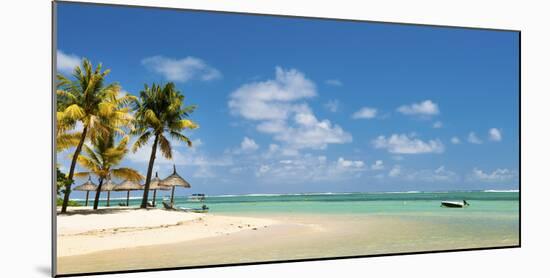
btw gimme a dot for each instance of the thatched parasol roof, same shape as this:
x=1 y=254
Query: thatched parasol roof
x=127 y=185
x=175 y=180
x=87 y=186
x=155 y=184
x=108 y=185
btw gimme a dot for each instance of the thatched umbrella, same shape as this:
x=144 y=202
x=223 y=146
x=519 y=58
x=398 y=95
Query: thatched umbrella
x=108 y=186
x=173 y=181
x=155 y=185
x=128 y=186
x=87 y=186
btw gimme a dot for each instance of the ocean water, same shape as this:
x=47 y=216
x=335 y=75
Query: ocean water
x=482 y=203
x=320 y=225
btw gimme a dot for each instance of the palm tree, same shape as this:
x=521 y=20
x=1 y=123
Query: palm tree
x=100 y=159
x=97 y=106
x=160 y=111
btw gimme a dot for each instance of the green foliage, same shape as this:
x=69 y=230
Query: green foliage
x=71 y=202
x=160 y=110
x=62 y=182
x=102 y=155
x=87 y=99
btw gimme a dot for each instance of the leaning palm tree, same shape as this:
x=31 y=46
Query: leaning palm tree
x=160 y=111
x=97 y=106
x=101 y=157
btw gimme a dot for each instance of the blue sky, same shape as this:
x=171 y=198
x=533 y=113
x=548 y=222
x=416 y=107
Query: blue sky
x=296 y=105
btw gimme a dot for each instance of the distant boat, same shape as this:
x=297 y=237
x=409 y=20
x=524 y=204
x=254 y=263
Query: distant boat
x=196 y=198
x=454 y=204
x=169 y=206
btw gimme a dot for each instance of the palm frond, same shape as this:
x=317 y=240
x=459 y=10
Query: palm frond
x=165 y=147
x=141 y=141
x=127 y=173
x=65 y=141
x=88 y=163
x=82 y=174
x=181 y=137
x=75 y=112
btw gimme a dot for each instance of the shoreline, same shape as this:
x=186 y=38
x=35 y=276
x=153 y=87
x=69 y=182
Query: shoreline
x=218 y=239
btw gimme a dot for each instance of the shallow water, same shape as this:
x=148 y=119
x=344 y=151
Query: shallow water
x=329 y=225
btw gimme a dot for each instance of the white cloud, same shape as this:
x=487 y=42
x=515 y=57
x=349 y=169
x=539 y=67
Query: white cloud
x=441 y=174
x=424 y=108
x=262 y=170
x=350 y=163
x=248 y=145
x=365 y=113
x=437 y=124
x=403 y=144
x=183 y=156
x=438 y=175
x=332 y=105
x=472 y=138
x=67 y=62
x=395 y=171
x=455 y=140
x=309 y=168
x=181 y=70
x=378 y=165
x=333 y=82
x=272 y=99
x=197 y=143
x=204 y=172
x=275 y=105
x=495 y=135
x=498 y=175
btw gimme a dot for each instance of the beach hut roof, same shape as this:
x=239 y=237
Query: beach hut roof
x=108 y=185
x=127 y=185
x=155 y=184
x=87 y=186
x=175 y=180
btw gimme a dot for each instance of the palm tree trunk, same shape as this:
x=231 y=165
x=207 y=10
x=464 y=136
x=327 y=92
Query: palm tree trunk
x=172 y=197
x=71 y=171
x=97 y=193
x=108 y=197
x=149 y=172
x=87 y=195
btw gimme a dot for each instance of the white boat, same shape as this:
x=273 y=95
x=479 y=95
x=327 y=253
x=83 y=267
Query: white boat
x=196 y=198
x=454 y=204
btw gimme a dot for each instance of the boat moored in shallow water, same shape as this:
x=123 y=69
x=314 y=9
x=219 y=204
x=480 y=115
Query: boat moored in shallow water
x=454 y=204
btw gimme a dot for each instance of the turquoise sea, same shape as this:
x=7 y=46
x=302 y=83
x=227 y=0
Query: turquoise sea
x=316 y=225
x=496 y=203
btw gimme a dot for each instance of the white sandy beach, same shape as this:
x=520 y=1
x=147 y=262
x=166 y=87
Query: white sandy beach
x=82 y=232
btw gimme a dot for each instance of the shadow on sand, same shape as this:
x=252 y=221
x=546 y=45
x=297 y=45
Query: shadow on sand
x=104 y=210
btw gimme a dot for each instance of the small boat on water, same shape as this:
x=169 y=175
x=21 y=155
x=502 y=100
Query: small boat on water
x=203 y=209
x=196 y=197
x=169 y=206
x=454 y=204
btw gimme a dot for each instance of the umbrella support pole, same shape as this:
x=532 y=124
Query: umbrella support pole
x=172 y=196
x=108 y=197
x=154 y=197
x=128 y=198
x=87 y=194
